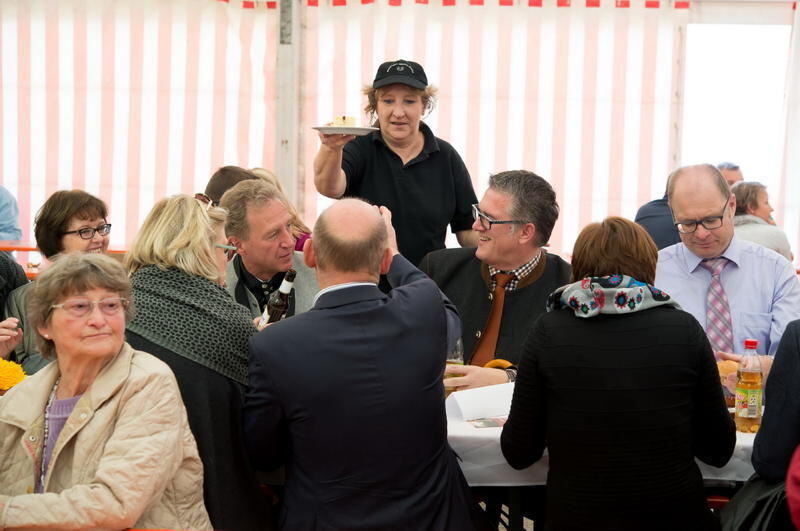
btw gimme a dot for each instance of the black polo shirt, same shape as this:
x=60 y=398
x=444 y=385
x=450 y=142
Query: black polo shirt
x=431 y=191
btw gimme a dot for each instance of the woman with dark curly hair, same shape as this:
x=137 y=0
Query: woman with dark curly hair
x=621 y=387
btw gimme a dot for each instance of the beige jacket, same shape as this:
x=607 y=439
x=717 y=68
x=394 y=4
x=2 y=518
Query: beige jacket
x=125 y=458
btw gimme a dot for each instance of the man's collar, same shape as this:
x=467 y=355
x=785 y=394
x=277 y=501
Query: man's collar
x=254 y=283
x=732 y=253
x=337 y=287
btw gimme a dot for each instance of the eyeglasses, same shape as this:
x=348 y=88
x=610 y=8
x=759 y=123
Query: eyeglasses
x=82 y=307
x=203 y=198
x=230 y=250
x=487 y=222
x=709 y=223
x=87 y=233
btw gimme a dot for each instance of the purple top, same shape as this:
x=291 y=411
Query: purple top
x=301 y=240
x=57 y=416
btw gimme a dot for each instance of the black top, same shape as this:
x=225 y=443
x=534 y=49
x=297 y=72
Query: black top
x=624 y=404
x=11 y=277
x=214 y=408
x=425 y=195
x=656 y=218
x=779 y=433
x=464 y=279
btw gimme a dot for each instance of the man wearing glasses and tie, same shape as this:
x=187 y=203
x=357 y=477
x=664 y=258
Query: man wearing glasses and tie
x=500 y=287
x=735 y=289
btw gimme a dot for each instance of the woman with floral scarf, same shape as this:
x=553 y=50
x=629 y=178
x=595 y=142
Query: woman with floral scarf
x=621 y=387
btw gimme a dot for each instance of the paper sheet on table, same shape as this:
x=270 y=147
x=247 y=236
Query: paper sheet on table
x=483 y=402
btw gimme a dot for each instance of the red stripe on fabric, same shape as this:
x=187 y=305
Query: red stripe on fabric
x=563 y=3
x=682 y=5
x=24 y=117
x=367 y=1
x=647 y=113
x=475 y=123
x=248 y=4
x=534 y=3
x=191 y=79
x=617 y=132
x=133 y=189
x=313 y=3
x=559 y=132
x=586 y=167
x=80 y=77
x=107 y=114
x=506 y=2
x=163 y=71
x=422 y=2
x=448 y=2
x=218 y=113
x=622 y=3
x=592 y=3
x=502 y=85
x=245 y=93
x=652 y=4
x=272 y=5
x=476 y=2
x=530 y=128
x=270 y=96
x=311 y=140
x=51 y=94
x=339 y=2
x=444 y=111
x=395 y=2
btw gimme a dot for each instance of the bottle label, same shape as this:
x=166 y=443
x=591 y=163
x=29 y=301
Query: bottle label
x=748 y=403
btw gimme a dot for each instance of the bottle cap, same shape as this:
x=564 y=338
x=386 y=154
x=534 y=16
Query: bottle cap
x=750 y=344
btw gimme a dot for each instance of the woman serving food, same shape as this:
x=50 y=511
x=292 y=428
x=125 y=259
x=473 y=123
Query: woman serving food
x=402 y=165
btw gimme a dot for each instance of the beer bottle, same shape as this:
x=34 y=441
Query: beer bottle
x=749 y=389
x=278 y=302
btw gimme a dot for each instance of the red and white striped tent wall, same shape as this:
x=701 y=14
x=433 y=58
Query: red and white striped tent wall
x=134 y=100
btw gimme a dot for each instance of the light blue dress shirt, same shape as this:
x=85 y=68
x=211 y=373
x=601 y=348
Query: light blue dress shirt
x=762 y=288
x=9 y=216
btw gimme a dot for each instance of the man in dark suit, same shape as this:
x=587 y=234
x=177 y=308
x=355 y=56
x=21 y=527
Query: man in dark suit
x=513 y=220
x=349 y=395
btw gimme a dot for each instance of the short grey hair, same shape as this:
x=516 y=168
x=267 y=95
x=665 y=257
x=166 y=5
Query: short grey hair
x=746 y=193
x=532 y=200
x=709 y=169
x=244 y=195
x=70 y=274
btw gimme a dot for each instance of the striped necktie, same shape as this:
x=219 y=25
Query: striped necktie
x=718 y=312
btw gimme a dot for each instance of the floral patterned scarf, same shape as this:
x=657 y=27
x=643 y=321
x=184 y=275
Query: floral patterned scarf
x=614 y=294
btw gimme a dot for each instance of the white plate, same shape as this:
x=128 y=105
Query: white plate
x=344 y=130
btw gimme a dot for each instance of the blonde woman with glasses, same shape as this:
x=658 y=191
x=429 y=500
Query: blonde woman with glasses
x=186 y=318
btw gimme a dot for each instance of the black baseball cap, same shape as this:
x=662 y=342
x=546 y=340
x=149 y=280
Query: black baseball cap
x=401 y=71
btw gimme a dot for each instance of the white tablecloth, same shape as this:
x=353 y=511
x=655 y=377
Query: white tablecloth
x=483 y=463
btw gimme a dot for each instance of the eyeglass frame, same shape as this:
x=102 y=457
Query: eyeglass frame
x=697 y=222
x=92 y=304
x=478 y=214
x=80 y=232
x=205 y=199
x=230 y=250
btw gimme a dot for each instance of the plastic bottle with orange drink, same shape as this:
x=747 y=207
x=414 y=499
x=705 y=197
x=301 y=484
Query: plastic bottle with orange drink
x=749 y=389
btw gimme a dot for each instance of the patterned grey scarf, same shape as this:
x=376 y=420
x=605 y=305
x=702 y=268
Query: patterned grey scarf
x=194 y=318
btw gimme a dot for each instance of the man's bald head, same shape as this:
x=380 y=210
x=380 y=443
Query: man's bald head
x=350 y=237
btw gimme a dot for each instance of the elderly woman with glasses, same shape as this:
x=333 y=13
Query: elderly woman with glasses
x=98 y=439
x=69 y=221
x=186 y=318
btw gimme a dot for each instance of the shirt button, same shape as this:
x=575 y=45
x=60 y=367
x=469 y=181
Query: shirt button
x=264 y=286
x=83 y=416
x=478 y=334
x=491 y=296
x=32 y=438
